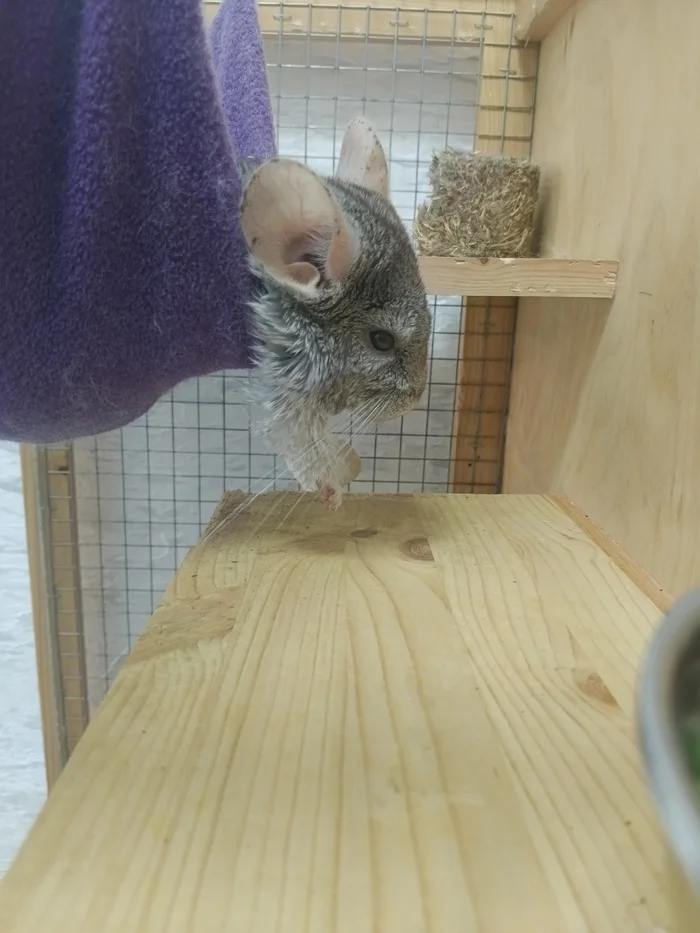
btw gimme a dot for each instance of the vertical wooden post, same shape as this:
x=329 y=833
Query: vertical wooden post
x=54 y=566
x=505 y=110
x=45 y=640
x=65 y=556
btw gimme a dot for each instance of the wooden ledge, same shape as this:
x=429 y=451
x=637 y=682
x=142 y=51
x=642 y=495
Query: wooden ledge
x=535 y=19
x=520 y=278
x=358 y=20
x=415 y=713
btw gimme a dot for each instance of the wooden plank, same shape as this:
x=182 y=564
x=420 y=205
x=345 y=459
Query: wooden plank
x=54 y=564
x=509 y=278
x=535 y=19
x=459 y=21
x=62 y=531
x=482 y=395
x=508 y=84
x=605 y=404
x=46 y=645
x=364 y=720
x=506 y=87
x=637 y=574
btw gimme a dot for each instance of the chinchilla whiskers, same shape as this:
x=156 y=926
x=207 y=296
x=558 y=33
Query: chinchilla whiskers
x=294 y=462
x=317 y=434
x=296 y=502
x=277 y=502
x=322 y=453
x=274 y=506
x=283 y=498
x=367 y=414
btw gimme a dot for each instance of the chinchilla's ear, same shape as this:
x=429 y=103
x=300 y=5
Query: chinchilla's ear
x=362 y=160
x=295 y=228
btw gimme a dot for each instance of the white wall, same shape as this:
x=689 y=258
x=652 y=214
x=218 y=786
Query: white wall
x=22 y=773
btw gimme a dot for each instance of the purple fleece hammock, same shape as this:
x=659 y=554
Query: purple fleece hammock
x=122 y=261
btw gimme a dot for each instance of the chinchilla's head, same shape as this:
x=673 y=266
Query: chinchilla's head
x=342 y=323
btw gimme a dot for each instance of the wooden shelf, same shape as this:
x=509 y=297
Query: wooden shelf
x=516 y=278
x=412 y=714
x=358 y=20
x=535 y=19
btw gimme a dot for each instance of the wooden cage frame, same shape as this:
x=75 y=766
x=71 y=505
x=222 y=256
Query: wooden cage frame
x=488 y=287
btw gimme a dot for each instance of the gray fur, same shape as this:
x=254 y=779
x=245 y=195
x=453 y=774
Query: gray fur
x=314 y=358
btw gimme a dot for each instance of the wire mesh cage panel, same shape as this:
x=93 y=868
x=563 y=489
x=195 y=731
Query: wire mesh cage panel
x=118 y=512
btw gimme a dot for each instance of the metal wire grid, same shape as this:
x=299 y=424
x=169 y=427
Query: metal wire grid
x=143 y=494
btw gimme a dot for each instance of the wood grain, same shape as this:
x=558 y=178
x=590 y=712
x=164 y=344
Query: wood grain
x=45 y=643
x=505 y=108
x=637 y=574
x=535 y=19
x=517 y=278
x=66 y=592
x=410 y=716
x=411 y=21
x=52 y=546
x=481 y=397
x=605 y=403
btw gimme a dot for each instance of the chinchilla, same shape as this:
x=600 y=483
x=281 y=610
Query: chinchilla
x=341 y=322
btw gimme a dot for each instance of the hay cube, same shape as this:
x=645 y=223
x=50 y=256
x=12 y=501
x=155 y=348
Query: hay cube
x=482 y=205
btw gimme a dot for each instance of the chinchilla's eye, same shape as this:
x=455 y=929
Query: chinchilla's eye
x=382 y=340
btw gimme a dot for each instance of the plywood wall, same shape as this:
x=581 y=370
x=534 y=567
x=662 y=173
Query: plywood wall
x=606 y=398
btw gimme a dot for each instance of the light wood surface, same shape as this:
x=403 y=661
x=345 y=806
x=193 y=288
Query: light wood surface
x=516 y=278
x=535 y=19
x=408 y=21
x=505 y=108
x=637 y=574
x=605 y=404
x=507 y=86
x=52 y=549
x=45 y=643
x=481 y=397
x=66 y=592
x=413 y=715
